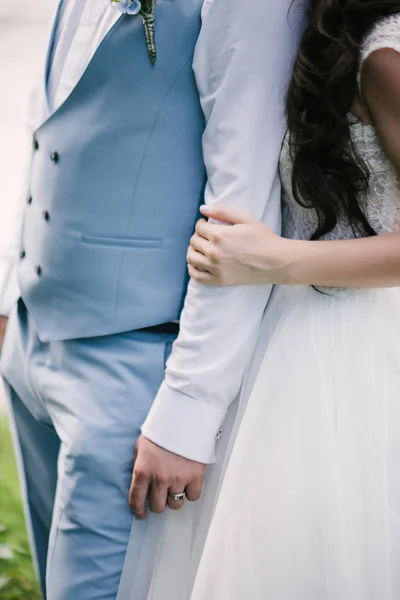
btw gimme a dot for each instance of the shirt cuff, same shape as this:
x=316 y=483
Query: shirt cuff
x=183 y=425
x=9 y=288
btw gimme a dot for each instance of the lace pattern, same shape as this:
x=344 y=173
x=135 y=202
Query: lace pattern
x=382 y=205
x=384 y=34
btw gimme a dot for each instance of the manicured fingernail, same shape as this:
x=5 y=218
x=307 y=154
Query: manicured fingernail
x=205 y=209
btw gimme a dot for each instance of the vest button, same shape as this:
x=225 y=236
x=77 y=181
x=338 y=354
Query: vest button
x=38 y=270
x=22 y=254
x=46 y=215
x=35 y=144
x=29 y=200
x=54 y=156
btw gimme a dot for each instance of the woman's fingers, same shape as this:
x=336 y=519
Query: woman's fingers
x=201 y=276
x=200 y=244
x=208 y=231
x=198 y=260
x=227 y=214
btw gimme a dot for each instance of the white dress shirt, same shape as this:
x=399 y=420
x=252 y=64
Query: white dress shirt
x=242 y=64
x=81 y=28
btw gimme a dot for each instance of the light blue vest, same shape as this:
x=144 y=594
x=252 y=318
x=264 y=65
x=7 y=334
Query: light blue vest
x=116 y=180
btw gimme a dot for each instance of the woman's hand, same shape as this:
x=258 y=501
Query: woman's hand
x=248 y=253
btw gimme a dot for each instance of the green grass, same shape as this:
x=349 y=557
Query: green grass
x=18 y=571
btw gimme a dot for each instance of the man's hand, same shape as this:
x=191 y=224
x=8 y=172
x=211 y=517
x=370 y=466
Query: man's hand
x=158 y=472
x=3 y=325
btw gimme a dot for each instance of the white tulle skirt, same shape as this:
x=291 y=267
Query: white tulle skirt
x=309 y=507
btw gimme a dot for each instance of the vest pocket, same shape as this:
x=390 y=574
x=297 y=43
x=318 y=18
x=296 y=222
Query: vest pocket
x=122 y=242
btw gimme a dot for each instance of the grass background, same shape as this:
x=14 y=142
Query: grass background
x=17 y=577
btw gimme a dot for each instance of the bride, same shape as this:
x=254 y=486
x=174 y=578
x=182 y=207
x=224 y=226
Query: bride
x=321 y=431
x=309 y=508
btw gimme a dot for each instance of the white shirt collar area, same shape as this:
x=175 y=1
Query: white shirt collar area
x=81 y=28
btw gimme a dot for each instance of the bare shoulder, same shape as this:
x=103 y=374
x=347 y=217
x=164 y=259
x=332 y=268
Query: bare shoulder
x=381 y=92
x=381 y=80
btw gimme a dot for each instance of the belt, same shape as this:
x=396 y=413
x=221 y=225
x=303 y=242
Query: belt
x=165 y=328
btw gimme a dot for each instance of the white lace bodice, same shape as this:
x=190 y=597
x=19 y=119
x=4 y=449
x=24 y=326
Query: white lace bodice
x=382 y=205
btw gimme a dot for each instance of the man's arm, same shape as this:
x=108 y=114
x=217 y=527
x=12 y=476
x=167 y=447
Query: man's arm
x=3 y=325
x=13 y=197
x=9 y=290
x=22 y=108
x=242 y=65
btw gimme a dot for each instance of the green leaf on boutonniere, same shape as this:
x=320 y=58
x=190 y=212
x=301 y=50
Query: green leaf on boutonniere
x=149 y=18
x=146 y=9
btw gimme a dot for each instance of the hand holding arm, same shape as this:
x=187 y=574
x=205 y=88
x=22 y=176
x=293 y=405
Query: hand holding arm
x=249 y=253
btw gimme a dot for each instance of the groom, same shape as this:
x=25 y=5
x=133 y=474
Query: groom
x=116 y=179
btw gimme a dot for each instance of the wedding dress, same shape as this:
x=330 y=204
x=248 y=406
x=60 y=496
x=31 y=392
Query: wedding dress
x=309 y=507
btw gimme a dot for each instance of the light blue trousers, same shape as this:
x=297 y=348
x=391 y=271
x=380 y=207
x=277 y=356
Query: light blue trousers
x=77 y=408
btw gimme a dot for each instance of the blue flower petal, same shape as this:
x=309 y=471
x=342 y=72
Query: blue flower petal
x=134 y=8
x=129 y=7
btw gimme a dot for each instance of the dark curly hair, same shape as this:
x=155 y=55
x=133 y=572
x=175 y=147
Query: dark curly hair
x=328 y=174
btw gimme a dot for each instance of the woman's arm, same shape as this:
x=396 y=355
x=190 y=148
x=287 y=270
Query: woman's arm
x=249 y=253
x=362 y=263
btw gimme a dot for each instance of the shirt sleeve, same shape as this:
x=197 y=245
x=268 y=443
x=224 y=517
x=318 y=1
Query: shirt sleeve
x=13 y=194
x=9 y=289
x=242 y=64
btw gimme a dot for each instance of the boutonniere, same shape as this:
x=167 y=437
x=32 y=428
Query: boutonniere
x=146 y=9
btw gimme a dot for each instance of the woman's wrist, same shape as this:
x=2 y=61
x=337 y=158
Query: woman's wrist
x=284 y=264
x=298 y=261
x=366 y=262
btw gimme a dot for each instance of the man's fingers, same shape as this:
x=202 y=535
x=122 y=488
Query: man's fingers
x=176 y=488
x=138 y=496
x=194 y=489
x=175 y=504
x=158 y=471
x=158 y=497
